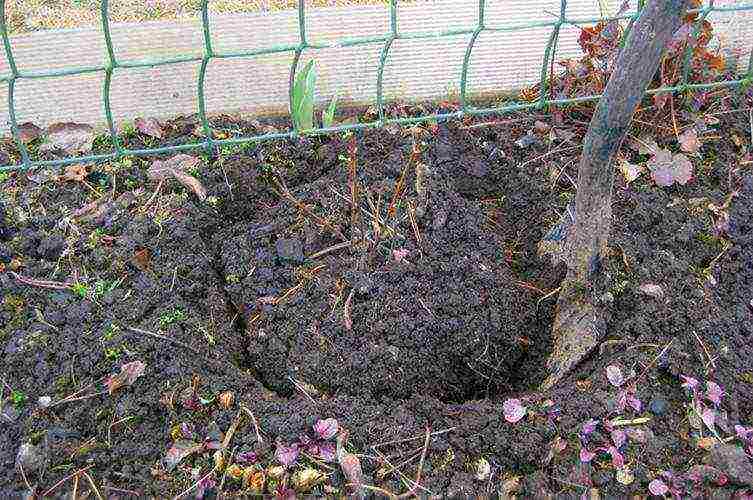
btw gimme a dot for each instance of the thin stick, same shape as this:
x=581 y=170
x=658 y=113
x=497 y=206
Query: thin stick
x=333 y=248
x=163 y=337
x=75 y=488
x=80 y=398
x=300 y=388
x=54 y=285
x=23 y=476
x=398 y=441
x=94 y=486
x=711 y=361
x=555 y=150
x=122 y=490
x=156 y=192
x=420 y=465
x=256 y=425
x=66 y=478
x=653 y=361
x=550 y=294
x=346 y=311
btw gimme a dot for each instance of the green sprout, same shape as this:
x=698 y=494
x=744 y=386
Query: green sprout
x=80 y=289
x=302 y=104
x=18 y=398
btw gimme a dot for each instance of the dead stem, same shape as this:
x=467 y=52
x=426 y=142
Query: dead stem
x=66 y=478
x=163 y=337
x=398 y=441
x=549 y=153
x=346 y=311
x=256 y=424
x=300 y=388
x=708 y=355
x=328 y=250
x=93 y=486
x=54 y=285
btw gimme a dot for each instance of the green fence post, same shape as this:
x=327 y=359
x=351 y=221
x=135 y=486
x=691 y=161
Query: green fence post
x=383 y=60
x=549 y=53
x=112 y=63
x=11 y=88
x=302 y=45
x=467 y=58
x=208 y=55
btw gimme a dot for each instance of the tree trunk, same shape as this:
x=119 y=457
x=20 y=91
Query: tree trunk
x=579 y=323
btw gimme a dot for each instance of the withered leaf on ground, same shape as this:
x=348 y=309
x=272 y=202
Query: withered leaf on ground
x=70 y=138
x=149 y=126
x=28 y=132
x=689 y=141
x=180 y=449
x=177 y=167
x=75 y=173
x=128 y=374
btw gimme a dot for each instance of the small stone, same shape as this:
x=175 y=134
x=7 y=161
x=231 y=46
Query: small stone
x=290 y=250
x=657 y=406
x=733 y=461
x=45 y=401
x=9 y=413
x=30 y=457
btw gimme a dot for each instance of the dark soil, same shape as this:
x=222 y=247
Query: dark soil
x=433 y=319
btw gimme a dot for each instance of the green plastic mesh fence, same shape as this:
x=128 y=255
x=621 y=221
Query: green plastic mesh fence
x=113 y=61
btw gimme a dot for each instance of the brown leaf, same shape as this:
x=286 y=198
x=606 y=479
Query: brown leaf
x=149 y=126
x=177 y=167
x=689 y=141
x=142 y=258
x=541 y=127
x=706 y=443
x=191 y=183
x=129 y=372
x=29 y=132
x=75 y=173
x=71 y=138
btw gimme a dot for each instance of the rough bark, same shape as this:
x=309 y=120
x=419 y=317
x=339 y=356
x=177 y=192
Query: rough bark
x=579 y=323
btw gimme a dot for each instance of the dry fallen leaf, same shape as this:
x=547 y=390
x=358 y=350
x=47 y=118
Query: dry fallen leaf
x=630 y=171
x=128 y=374
x=706 y=443
x=142 y=258
x=149 y=126
x=29 y=132
x=71 y=138
x=177 y=167
x=689 y=141
x=655 y=291
x=75 y=173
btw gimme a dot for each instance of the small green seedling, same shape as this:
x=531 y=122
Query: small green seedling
x=302 y=104
x=80 y=289
x=18 y=398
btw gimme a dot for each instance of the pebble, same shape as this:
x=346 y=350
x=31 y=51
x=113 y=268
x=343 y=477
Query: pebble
x=657 y=406
x=45 y=401
x=290 y=250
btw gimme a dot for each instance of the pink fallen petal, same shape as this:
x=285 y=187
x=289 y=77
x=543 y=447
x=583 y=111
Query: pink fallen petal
x=658 y=487
x=513 y=410
x=614 y=375
x=618 y=438
x=689 y=382
x=714 y=393
x=326 y=429
x=709 y=417
x=586 y=456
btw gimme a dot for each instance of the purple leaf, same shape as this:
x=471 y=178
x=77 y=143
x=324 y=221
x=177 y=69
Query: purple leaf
x=326 y=429
x=246 y=457
x=203 y=485
x=513 y=410
x=286 y=455
x=714 y=393
x=708 y=416
x=663 y=176
x=586 y=456
x=744 y=433
x=588 y=427
x=618 y=438
x=614 y=374
x=658 y=487
x=180 y=449
x=634 y=402
x=187 y=430
x=617 y=460
x=149 y=126
x=689 y=382
x=327 y=451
